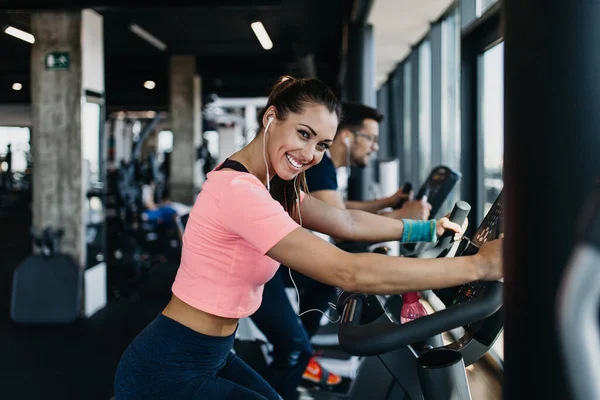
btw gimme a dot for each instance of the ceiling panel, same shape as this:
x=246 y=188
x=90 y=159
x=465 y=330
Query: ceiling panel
x=229 y=57
x=399 y=25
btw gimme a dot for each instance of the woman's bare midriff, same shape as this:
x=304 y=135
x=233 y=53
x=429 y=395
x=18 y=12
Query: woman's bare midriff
x=198 y=320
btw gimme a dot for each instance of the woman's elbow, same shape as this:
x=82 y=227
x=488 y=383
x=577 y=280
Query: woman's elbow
x=347 y=275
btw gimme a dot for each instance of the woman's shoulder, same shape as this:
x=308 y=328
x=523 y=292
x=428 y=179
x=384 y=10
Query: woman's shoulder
x=230 y=180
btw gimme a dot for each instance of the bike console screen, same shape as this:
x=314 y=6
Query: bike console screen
x=490 y=228
x=438 y=186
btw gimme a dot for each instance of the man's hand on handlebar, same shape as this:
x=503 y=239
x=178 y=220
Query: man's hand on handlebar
x=414 y=209
x=400 y=196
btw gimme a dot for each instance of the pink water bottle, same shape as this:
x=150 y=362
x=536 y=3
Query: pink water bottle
x=411 y=307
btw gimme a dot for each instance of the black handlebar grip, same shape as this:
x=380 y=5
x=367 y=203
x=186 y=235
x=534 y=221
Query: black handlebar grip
x=458 y=215
x=460 y=212
x=407 y=187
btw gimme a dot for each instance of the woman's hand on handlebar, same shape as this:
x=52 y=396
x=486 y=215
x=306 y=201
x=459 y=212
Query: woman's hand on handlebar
x=443 y=224
x=489 y=260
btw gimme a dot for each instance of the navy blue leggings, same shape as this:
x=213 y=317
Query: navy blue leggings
x=289 y=334
x=167 y=360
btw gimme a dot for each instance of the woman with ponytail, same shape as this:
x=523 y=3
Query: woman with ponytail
x=252 y=215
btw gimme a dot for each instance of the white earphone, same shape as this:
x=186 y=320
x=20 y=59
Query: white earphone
x=269 y=120
x=347 y=141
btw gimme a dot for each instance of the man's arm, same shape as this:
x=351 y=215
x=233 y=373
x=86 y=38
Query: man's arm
x=374 y=206
x=331 y=197
x=413 y=209
x=371 y=206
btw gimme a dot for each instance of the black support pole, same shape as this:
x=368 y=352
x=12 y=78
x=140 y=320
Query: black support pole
x=552 y=157
x=360 y=88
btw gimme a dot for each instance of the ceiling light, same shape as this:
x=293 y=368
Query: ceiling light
x=148 y=37
x=28 y=37
x=149 y=85
x=262 y=35
x=17 y=86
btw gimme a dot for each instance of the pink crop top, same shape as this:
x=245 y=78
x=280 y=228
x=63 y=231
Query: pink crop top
x=233 y=224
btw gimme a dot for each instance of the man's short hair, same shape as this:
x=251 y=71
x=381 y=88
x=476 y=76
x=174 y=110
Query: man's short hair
x=354 y=114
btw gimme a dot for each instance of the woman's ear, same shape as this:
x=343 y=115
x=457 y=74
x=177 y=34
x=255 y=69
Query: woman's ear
x=269 y=115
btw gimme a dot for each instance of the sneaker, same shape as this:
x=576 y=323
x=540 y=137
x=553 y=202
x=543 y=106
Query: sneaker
x=315 y=373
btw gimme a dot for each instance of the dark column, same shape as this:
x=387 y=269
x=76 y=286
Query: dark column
x=552 y=105
x=360 y=88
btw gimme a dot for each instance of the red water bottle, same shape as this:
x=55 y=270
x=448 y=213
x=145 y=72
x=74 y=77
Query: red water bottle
x=411 y=307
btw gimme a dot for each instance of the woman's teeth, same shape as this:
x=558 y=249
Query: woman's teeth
x=292 y=161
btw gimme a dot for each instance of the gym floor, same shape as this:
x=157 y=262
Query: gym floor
x=77 y=361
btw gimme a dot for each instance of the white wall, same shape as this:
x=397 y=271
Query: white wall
x=92 y=51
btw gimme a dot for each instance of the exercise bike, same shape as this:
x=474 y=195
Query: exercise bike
x=399 y=364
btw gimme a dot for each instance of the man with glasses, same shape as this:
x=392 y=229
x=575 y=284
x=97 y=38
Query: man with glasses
x=355 y=142
x=353 y=145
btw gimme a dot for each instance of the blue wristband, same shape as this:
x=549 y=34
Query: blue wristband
x=419 y=231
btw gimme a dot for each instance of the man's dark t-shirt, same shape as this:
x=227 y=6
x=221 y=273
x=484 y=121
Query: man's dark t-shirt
x=322 y=176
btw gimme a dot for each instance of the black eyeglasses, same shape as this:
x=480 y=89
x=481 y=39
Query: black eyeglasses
x=372 y=138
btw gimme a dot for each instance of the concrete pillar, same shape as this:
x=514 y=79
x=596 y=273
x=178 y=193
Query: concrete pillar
x=67 y=63
x=185 y=97
x=56 y=139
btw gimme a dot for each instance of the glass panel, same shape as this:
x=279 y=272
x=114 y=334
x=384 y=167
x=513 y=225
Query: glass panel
x=397 y=109
x=90 y=142
x=450 y=92
x=18 y=139
x=406 y=160
x=491 y=122
x=450 y=129
x=467 y=12
x=424 y=110
x=483 y=5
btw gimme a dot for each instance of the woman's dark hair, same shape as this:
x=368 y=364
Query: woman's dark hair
x=292 y=95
